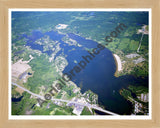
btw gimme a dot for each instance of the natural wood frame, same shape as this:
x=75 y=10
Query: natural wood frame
x=4 y=7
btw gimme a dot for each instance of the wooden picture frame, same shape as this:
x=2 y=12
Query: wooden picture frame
x=4 y=75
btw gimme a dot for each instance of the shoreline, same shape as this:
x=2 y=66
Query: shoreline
x=118 y=64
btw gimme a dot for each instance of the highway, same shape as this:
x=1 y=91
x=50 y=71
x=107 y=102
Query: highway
x=67 y=101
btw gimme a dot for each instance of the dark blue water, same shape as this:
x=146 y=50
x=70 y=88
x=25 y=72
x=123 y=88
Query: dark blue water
x=98 y=75
x=29 y=73
x=17 y=99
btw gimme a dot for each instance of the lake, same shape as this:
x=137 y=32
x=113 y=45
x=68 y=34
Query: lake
x=98 y=75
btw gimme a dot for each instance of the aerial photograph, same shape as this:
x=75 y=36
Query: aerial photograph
x=79 y=63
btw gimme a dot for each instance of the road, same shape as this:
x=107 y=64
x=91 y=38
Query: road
x=67 y=101
x=140 y=43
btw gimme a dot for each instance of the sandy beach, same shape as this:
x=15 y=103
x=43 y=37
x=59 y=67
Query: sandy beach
x=119 y=64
